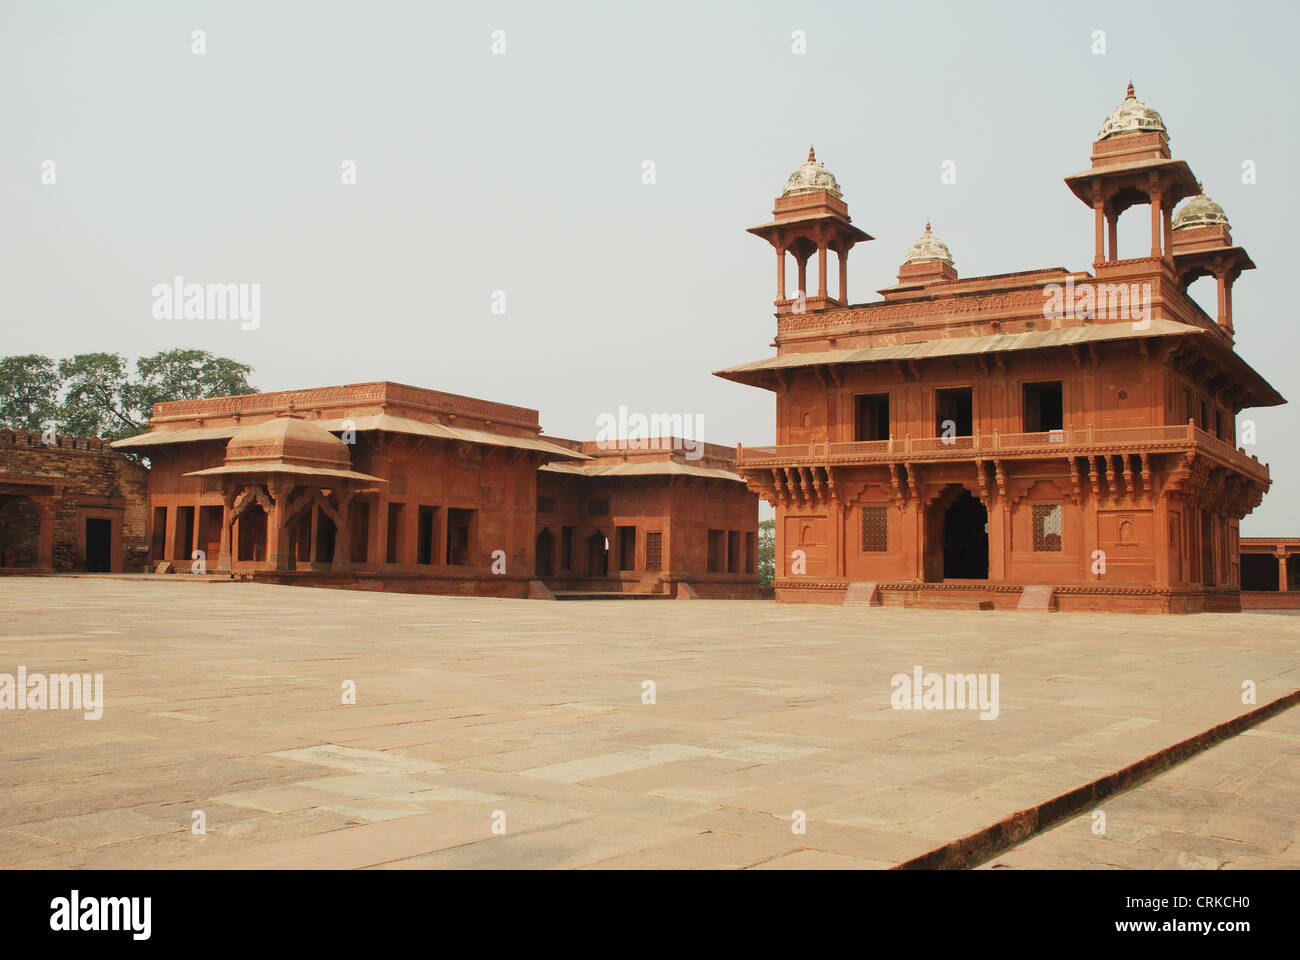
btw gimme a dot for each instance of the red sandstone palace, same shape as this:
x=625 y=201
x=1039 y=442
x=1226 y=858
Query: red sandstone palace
x=393 y=487
x=1046 y=439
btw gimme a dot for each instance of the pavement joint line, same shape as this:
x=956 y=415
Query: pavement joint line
x=985 y=844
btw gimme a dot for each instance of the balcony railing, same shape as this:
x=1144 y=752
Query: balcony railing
x=1070 y=441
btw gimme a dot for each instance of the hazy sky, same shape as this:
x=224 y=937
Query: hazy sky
x=522 y=172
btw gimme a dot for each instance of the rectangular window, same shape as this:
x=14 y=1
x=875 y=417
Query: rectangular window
x=654 y=550
x=751 y=552
x=1047 y=528
x=1218 y=424
x=566 y=548
x=546 y=505
x=717 y=550
x=460 y=537
x=871 y=417
x=733 y=551
x=1204 y=422
x=1044 y=409
x=955 y=412
x=875 y=529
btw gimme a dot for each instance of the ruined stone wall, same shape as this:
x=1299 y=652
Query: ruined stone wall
x=81 y=476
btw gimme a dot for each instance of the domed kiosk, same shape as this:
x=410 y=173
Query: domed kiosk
x=272 y=472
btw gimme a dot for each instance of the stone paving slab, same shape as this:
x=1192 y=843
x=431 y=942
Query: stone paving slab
x=475 y=713
x=1236 y=805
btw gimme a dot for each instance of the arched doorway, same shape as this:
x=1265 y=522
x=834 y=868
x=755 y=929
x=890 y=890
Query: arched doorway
x=966 y=539
x=597 y=555
x=545 y=563
x=956 y=537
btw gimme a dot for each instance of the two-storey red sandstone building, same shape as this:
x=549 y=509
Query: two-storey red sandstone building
x=1046 y=438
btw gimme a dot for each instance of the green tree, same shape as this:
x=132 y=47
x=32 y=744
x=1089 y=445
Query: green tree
x=29 y=392
x=94 y=394
x=766 y=552
x=92 y=397
x=183 y=375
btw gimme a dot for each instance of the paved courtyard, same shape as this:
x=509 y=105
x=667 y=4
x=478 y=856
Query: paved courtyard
x=505 y=733
x=1232 y=807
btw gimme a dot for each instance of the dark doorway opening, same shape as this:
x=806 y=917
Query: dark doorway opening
x=394 y=530
x=250 y=532
x=566 y=548
x=955 y=412
x=1044 y=407
x=325 y=534
x=426 y=527
x=99 y=545
x=460 y=537
x=597 y=555
x=626 y=547
x=545 y=553
x=184 y=536
x=159 y=543
x=871 y=417
x=717 y=551
x=966 y=539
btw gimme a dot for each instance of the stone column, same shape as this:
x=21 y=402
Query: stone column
x=45 y=541
x=227 y=522
x=780 y=274
x=1281 y=571
x=1099 y=209
x=821 y=269
x=803 y=274
x=343 y=536
x=844 y=275
x=378 y=530
x=315 y=520
x=1112 y=235
x=169 y=539
x=1157 y=222
x=276 y=539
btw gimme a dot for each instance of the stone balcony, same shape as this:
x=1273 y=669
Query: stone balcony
x=1069 y=442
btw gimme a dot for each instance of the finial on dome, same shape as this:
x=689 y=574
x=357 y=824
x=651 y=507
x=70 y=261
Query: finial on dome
x=1130 y=95
x=811 y=176
x=927 y=226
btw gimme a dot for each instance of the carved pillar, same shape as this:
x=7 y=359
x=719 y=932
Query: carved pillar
x=803 y=274
x=821 y=269
x=227 y=522
x=844 y=275
x=343 y=536
x=780 y=274
x=378 y=538
x=1225 y=302
x=1281 y=571
x=277 y=538
x=1112 y=235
